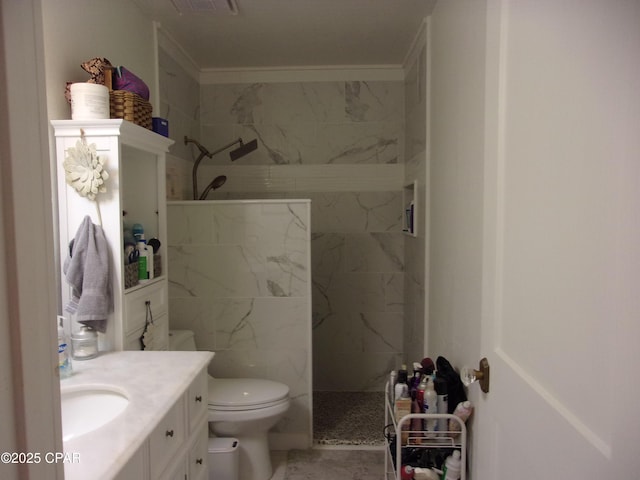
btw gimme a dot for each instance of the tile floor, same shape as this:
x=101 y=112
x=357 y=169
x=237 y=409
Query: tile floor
x=328 y=464
x=348 y=440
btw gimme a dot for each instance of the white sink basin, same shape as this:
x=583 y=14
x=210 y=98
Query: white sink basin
x=88 y=407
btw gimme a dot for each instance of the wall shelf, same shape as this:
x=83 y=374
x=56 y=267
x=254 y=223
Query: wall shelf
x=135 y=160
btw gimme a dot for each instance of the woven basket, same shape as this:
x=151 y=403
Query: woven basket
x=131 y=107
x=131 y=275
x=157 y=265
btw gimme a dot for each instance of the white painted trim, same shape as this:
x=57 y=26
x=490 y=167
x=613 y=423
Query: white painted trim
x=175 y=51
x=325 y=73
x=417 y=44
x=427 y=185
x=232 y=202
x=155 y=91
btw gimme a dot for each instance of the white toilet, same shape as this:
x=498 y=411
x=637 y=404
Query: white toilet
x=244 y=408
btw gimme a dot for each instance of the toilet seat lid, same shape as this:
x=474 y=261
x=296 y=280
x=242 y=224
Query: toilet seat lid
x=245 y=392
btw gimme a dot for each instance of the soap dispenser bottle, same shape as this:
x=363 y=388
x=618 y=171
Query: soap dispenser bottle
x=64 y=358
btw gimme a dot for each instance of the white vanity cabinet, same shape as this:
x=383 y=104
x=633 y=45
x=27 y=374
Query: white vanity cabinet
x=134 y=158
x=162 y=432
x=177 y=448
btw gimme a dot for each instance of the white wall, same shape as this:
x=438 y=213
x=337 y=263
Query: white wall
x=456 y=120
x=457 y=139
x=78 y=30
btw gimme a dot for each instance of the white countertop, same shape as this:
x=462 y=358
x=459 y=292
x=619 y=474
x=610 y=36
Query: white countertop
x=153 y=381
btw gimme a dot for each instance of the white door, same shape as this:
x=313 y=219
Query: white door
x=561 y=285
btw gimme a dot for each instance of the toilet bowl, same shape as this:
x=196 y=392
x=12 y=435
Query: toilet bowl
x=247 y=408
x=244 y=408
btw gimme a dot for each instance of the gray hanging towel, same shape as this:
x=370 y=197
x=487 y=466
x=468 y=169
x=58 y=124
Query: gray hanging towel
x=87 y=271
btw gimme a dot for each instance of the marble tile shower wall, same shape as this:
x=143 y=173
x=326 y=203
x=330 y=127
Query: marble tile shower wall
x=240 y=279
x=180 y=104
x=323 y=141
x=307 y=123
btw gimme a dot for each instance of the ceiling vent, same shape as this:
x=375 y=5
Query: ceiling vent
x=205 y=7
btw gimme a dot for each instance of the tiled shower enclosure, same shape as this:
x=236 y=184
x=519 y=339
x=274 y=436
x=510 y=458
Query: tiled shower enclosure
x=239 y=278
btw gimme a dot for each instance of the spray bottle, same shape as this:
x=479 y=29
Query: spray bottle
x=430 y=406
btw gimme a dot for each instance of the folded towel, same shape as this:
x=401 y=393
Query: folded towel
x=87 y=270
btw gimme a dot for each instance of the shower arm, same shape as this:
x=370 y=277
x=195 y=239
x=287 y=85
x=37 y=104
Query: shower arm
x=204 y=153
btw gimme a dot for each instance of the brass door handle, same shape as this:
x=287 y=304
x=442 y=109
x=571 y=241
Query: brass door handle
x=469 y=375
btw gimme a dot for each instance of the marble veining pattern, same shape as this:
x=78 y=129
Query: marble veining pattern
x=307 y=123
x=239 y=277
x=341 y=144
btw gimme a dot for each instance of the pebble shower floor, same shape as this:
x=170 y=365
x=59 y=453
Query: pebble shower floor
x=348 y=418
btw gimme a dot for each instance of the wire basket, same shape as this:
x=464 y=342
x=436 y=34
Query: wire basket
x=130 y=106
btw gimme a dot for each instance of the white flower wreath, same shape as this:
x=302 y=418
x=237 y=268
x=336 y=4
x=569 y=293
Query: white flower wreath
x=84 y=170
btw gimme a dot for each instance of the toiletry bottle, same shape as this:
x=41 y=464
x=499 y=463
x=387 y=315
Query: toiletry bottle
x=401 y=385
x=415 y=379
x=143 y=271
x=148 y=252
x=137 y=231
x=402 y=374
x=416 y=424
x=463 y=411
x=452 y=467
x=443 y=401
x=422 y=387
x=64 y=348
x=400 y=390
x=425 y=474
x=406 y=473
x=150 y=272
x=393 y=377
x=430 y=406
x=402 y=408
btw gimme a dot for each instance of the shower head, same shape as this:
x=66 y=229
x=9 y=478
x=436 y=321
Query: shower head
x=243 y=149
x=214 y=185
x=217 y=182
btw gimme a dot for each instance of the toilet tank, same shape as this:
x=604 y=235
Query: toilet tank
x=181 y=340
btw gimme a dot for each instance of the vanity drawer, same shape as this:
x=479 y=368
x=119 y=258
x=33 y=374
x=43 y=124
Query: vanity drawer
x=197 y=399
x=167 y=438
x=135 y=307
x=198 y=455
